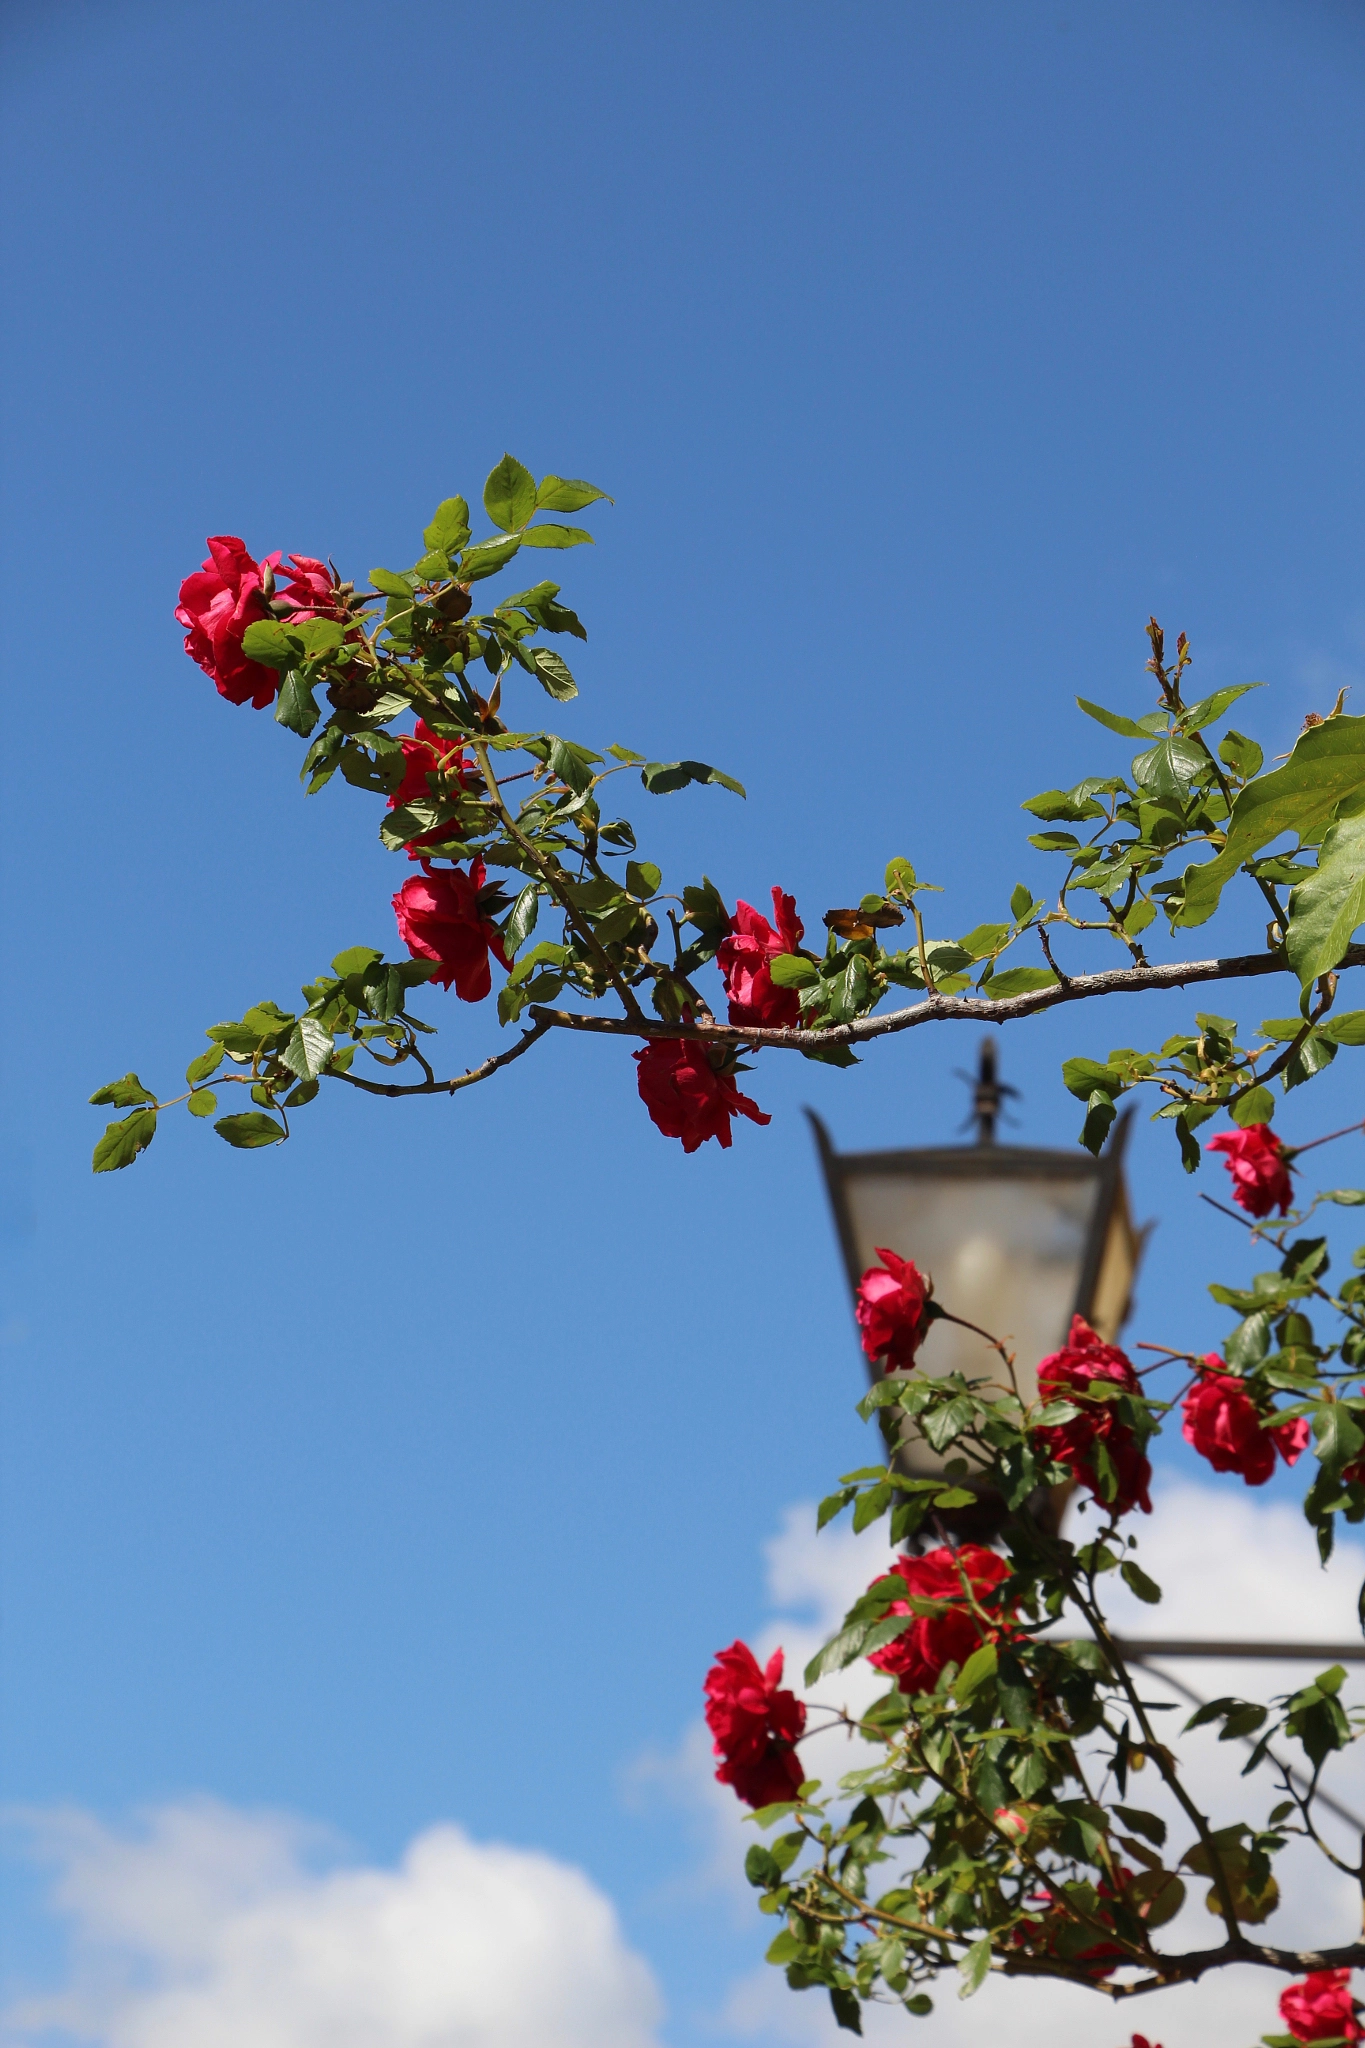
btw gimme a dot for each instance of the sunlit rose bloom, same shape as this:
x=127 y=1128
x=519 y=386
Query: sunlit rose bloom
x=755 y=1726
x=1224 y=1426
x=686 y=1097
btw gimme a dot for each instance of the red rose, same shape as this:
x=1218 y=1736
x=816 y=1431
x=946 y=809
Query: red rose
x=216 y=606
x=310 y=589
x=890 y=1309
x=1321 y=2008
x=1067 y=1375
x=743 y=961
x=948 y=1637
x=426 y=755
x=755 y=1726
x=1259 y=1167
x=685 y=1095
x=439 y=918
x=1224 y=1425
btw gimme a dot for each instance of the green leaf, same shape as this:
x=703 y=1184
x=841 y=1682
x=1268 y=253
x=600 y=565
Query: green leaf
x=1127 y=727
x=983 y=939
x=1210 y=709
x=522 y=920
x=1018 y=981
x=793 y=970
x=317 y=637
x=1241 y=754
x=509 y=496
x=1082 y=1077
x=1348 y=1028
x=1326 y=767
x=308 y=1050
x=296 y=707
x=1170 y=767
x=449 y=528
x=206 y=1065
x=123 y=1141
x=123 y=1094
x=1346 y=1198
x=203 y=1102
x=486 y=559
x=567 y=494
x=980 y=1666
x=355 y=960
x=1340 y=1438
x=662 y=777
x=848 y=2013
x=1325 y=910
x=1312 y=1056
x=1138 y=1582
x=1257 y=1107
x=642 y=879
x=1021 y=902
x=1145 y=1824
x=1070 y=806
x=270 y=643
x=250 y=1130
x=392 y=584
x=974 y=1965
x=552 y=536
x=554 y=673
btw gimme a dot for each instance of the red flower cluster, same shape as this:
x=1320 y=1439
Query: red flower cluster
x=755 y=1726
x=427 y=755
x=1259 y=1167
x=1225 y=1426
x=744 y=963
x=949 y=1636
x=230 y=593
x=890 y=1310
x=1068 y=1375
x=685 y=1095
x=439 y=918
x=1321 y=2008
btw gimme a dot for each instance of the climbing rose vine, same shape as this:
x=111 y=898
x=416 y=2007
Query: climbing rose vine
x=996 y=1826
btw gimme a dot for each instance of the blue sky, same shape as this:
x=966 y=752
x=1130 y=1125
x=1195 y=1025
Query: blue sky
x=414 y=1471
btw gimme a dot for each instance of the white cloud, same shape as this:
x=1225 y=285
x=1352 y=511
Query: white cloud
x=210 y=1930
x=1231 y=1566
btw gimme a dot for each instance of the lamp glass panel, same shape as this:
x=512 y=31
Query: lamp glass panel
x=1006 y=1254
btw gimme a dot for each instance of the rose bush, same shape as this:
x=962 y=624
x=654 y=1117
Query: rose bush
x=995 y=1829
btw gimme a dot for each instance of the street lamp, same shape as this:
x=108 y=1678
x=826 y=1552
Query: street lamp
x=1017 y=1239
